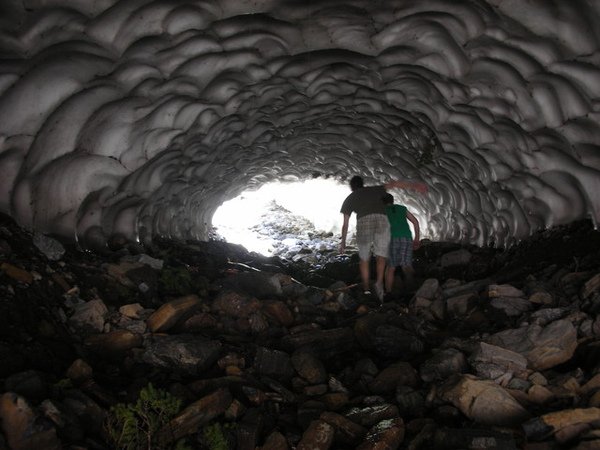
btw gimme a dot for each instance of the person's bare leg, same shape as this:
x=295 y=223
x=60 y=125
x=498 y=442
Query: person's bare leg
x=364 y=273
x=390 y=273
x=381 y=262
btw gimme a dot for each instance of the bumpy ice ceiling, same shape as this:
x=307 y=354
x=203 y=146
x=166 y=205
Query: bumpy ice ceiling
x=141 y=117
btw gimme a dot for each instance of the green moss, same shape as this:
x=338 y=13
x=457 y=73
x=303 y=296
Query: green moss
x=179 y=281
x=175 y=280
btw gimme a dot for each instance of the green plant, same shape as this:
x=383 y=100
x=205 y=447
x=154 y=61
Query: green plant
x=214 y=436
x=64 y=383
x=134 y=426
x=176 y=280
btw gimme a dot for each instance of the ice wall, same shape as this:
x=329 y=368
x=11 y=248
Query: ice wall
x=140 y=117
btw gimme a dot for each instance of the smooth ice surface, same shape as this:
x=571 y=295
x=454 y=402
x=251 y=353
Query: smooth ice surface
x=142 y=117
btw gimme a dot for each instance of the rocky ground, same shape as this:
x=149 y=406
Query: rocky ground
x=206 y=346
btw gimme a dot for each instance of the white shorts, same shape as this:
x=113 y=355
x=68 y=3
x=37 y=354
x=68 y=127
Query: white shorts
x=373 y=233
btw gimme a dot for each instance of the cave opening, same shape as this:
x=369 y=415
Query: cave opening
x=281 y=215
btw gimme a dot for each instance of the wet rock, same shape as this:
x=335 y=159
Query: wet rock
x=371 y=415
x=318 y=436
x=387 y=434
x=346 y=431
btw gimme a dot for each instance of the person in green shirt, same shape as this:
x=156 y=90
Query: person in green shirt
x=402 y=243
x=372 y=226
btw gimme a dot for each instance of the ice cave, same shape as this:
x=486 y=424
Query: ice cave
x=126 y=124
x=141 y=117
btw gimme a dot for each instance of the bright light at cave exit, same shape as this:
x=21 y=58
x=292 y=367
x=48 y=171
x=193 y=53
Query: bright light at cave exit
x=316 y=200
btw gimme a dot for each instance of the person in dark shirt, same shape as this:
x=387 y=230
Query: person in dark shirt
x=372 y=226
x=402 y=243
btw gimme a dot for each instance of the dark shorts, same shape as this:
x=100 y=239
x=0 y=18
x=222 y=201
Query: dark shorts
x=401 y=252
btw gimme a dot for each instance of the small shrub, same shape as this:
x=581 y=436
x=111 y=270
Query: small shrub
x=214 y=436
x=134 y=426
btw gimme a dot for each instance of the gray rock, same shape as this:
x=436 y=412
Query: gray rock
x=429 y=289
x=483 y=401
x=259 y=284
x=51 y=248
x=491 y=361
x=512 y=306
x=185 y=354
x=273 y=363
x=545 y=316
x=443 y=364
x=89 y=317
x=544 y=347
x=455 y=258
x=504 y=290
x=459 y=305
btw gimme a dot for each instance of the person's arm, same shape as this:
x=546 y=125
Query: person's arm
x=417 y=237
x=404 y=184
x=344 y=233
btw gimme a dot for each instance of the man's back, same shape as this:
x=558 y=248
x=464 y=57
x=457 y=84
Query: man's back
x=364 y=201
